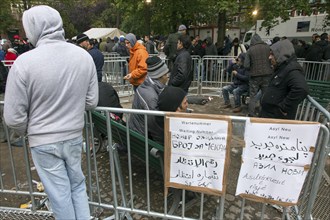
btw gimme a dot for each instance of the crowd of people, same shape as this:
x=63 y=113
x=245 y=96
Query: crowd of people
x=49 y=88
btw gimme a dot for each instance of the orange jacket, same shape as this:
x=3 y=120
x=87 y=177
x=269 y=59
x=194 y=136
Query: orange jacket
x=137 y=64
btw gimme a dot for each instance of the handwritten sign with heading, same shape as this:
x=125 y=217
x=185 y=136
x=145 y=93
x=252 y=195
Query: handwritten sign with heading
x=197 y=152
x=276 y=158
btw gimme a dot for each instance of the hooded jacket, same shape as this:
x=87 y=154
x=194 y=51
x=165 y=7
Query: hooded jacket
x=49 y=87
x=287 y=87
x=137 y=64
x=210 y=49
x=257 y=58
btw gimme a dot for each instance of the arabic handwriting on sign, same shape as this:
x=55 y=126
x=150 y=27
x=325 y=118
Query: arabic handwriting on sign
x=200 y=162
x=283 y=159
x=280 y=147
x=213 y=176
x=184 y=174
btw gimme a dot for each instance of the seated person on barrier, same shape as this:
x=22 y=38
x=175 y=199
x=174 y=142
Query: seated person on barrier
x=146 y=95
x=239 y=86
x=171 y=99
x=108 y=97
x=287 y=86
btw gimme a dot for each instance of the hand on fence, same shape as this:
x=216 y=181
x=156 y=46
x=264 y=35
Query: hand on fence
x=128 y=76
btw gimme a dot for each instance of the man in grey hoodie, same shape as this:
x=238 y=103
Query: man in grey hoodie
x=287 y=87
x=48 y=90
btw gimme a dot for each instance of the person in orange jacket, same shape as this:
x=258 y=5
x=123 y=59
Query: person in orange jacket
x=137 y=62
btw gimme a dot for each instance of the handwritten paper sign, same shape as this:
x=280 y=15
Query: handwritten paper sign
x=196 y=152
x=276 y=159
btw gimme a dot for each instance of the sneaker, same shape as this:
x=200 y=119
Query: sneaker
x=237 y=109
x=227 y=105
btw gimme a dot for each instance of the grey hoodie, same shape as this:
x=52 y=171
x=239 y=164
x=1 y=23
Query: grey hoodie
x=256 y=39
x=49 y=87
x=282 y=51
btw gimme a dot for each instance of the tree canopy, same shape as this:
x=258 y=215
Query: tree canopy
x=158 y=16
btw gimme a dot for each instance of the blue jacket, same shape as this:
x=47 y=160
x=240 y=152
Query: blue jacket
x=98 y=60
x=242 y=76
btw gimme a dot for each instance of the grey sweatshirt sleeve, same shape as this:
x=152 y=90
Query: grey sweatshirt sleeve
x=92 y=96
x=16 y=102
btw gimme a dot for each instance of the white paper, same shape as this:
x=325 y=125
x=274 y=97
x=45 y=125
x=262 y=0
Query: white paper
x=271 y=180
x=198 y=151
x=274 y=158
x=284 y=143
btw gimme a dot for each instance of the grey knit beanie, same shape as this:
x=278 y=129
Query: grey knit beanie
x=156 y=67
x=131 y=38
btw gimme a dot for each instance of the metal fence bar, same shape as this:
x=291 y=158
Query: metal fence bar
x=112 y=167
x=316 y=70
x=28 y=173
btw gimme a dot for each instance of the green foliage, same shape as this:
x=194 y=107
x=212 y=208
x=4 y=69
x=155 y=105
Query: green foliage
x=7 y=18
x=159 y=17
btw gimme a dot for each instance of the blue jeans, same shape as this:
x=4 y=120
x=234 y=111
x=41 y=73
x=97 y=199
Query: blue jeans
x=59 y=168
x=237 y=91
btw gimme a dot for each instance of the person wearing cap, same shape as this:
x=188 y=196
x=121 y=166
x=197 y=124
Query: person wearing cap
x=287 y=87
x=137 y=61
x=182 y=72
x=84 y=41
x=239 y=86
x=18 y=45
x=48 y=90
x=146 y=95
x=170 y=47
x=171 y=99
x=120 y=43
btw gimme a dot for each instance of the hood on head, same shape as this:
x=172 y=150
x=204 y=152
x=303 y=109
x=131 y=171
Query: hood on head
x=256 y=39
x=131 y=38
x=42 y=22
x=282 y=50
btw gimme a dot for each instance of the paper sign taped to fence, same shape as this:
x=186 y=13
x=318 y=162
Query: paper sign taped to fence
x=197 y=154
x=290 y=144
x=272 y=181
x=276 y=158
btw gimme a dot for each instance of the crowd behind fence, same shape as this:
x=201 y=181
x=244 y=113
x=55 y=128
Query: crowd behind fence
x=209 y=73
x=115 y=192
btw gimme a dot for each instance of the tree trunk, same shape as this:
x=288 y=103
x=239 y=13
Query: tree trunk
x=221 y=28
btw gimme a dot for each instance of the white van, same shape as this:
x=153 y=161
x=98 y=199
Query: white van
x=300 y=27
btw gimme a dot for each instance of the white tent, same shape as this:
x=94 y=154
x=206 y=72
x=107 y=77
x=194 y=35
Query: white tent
x=98 y=33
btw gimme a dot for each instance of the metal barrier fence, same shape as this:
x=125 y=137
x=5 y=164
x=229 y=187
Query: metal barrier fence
x=316 y=70
x=310 y=110
x=122 y=186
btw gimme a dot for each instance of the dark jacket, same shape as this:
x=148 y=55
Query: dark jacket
x=170 y=46
x=210 y=49
x=98 y=58
x=257 y=58
x=145 y=98
x=326 y=52
x=287 y=87
x=182 y=74
x=315 y=52
x=122 y=50
x=108 y=97
x=241 y=78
